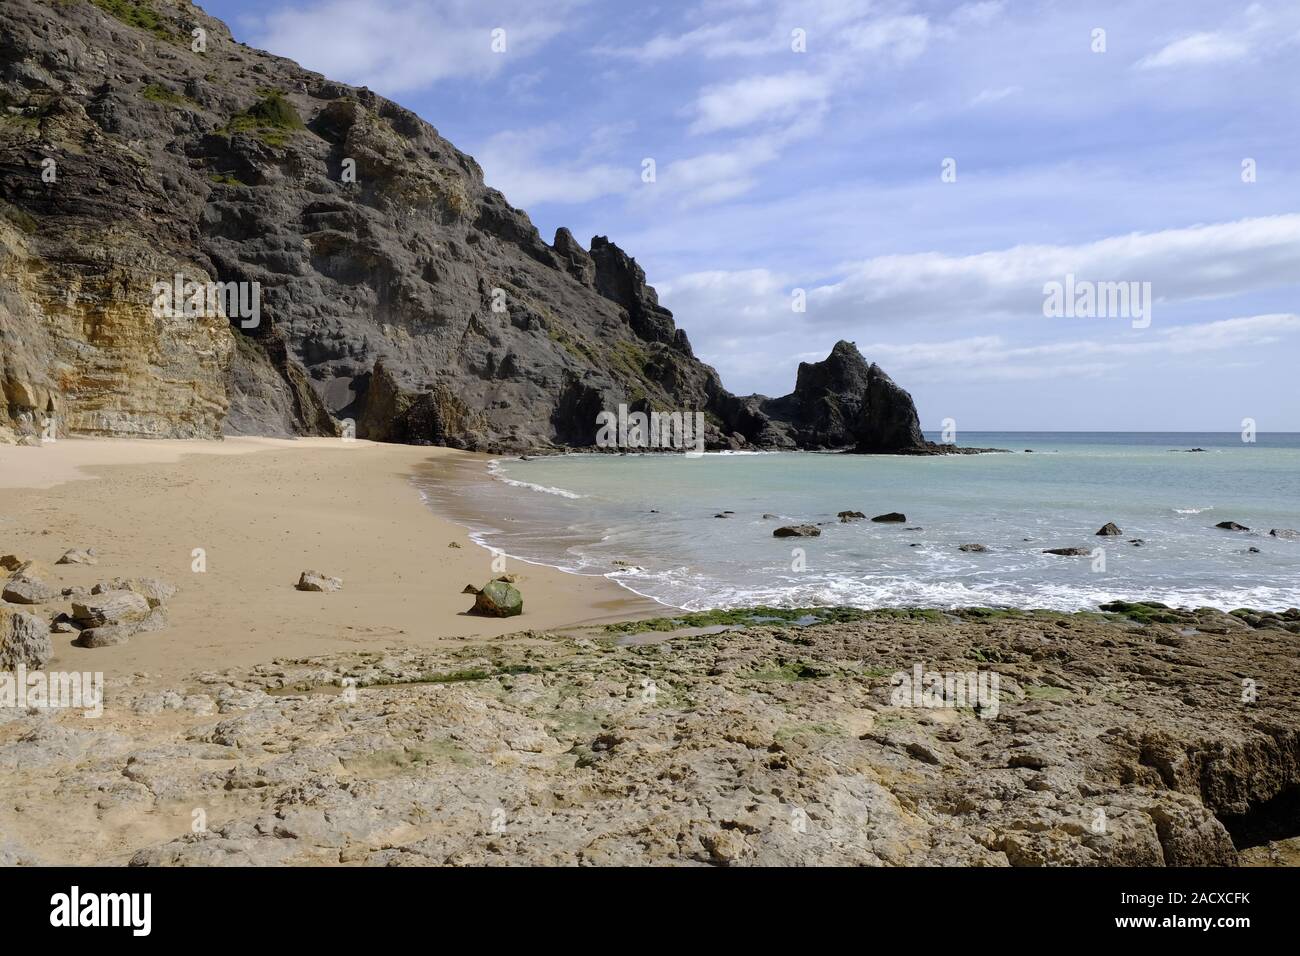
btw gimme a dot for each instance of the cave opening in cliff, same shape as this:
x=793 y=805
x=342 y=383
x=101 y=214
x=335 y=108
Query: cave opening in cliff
x=1275 y=819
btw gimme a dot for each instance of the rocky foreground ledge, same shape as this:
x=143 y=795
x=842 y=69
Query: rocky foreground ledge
x=1118 y=740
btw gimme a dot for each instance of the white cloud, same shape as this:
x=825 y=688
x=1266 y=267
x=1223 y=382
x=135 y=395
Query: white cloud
x=898 y=39
x=1197 y=262
x=396 y=46
x=992 y=358
x=743 y=320
x=1196 y=50
x=979 y=14
x=992 y=96
x=755 y=98
x=515 y=163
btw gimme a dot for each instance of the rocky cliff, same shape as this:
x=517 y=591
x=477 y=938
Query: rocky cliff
x=140 y=144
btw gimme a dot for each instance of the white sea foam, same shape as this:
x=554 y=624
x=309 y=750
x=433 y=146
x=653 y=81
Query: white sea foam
x=494 y=469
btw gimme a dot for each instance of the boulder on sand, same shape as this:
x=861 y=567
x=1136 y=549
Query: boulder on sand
x=154 y=590
x=893 y=517
x=316 y=581
x=27 y=592
x=1110 y=529
x=27 y=584
x=106 y=635
x=797 y=531
x=24 y=639
x=111 y=607
x=498 y=599
x=78 y=556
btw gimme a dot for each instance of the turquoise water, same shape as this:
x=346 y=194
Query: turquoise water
x=584 y=512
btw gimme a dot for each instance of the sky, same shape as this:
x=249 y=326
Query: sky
x=910 y=176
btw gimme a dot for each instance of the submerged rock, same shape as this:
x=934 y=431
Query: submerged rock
x=893 y=517
x=847 y=516
x=973 y=548
x=797 y=531
x=1109 y=529
x=1069 y=552
x=1231 y=526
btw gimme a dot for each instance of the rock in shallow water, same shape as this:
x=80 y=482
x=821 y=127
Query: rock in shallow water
x=797 y=531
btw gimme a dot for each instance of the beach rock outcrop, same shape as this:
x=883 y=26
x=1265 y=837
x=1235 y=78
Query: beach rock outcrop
x=24 y=639
x=498 y=599
x=410 y=303
x=1101 y=745
x=317 y=581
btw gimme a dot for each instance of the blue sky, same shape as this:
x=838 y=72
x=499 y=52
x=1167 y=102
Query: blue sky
x=778 y=169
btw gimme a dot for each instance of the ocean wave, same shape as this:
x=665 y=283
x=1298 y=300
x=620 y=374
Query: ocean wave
x=494 y=469
x=1192 y=511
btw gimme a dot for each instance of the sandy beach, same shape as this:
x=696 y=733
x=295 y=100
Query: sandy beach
x=263 y=510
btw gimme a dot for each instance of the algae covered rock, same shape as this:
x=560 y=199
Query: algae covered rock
x=498 y=599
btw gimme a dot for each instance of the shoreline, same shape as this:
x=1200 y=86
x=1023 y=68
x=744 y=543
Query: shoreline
x=263 y=510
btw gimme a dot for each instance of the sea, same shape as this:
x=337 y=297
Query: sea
x=649 y=522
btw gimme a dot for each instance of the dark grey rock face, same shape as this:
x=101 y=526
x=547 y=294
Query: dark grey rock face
x=397 y=290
